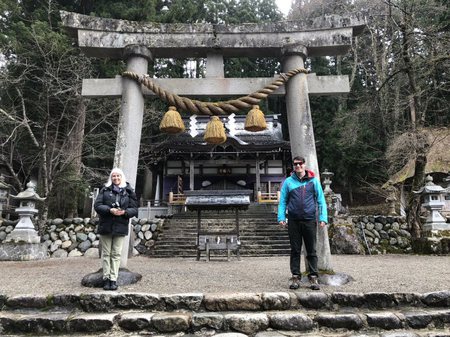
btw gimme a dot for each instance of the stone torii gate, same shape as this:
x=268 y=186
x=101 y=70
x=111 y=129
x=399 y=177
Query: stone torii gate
x=139 y=43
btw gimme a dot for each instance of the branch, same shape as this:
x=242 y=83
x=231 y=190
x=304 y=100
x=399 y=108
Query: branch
x=390 y=77
x=8 y=115
x=25 y=120
x=11 y=170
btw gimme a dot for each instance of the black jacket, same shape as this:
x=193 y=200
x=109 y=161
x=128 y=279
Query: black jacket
x=109 y=223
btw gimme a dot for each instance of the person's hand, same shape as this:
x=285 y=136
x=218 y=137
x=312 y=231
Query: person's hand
x=322 y=224
x=117 y=211
x=283 y=224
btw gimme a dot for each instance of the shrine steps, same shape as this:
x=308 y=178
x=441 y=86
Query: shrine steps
x=300 y=313
x=253 y=211
x=260 y=235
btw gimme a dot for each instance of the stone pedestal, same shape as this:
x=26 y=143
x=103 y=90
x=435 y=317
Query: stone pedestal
x=95 y=280
x=22 y=251
x=436 y=242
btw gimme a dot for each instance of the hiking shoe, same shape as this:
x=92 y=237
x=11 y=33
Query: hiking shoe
x=113 y=285
x=106 y=284
x=295 y=282
x=314 y=282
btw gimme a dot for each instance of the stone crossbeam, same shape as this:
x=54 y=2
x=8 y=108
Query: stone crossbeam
x=98 y=37
x=196 y=87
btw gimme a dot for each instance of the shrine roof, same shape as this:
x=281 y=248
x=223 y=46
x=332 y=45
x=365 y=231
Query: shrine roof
x=192 y=139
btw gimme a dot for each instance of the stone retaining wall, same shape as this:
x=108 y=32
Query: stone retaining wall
x=383 y=234
x=78 y=236
x=348 y=235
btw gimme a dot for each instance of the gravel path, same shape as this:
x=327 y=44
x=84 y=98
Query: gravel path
x=380 y=273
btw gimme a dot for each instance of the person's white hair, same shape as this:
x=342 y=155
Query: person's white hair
x=123 y=181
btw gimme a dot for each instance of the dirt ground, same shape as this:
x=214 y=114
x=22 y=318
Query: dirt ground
x=377 y=273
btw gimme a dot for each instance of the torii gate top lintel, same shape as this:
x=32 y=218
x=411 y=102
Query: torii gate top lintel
x=100 y=37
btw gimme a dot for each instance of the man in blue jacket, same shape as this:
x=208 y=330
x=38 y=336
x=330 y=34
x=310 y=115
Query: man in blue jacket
x=302 y=195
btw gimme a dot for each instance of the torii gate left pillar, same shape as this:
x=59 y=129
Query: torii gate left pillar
x=127 y=148
x=130 y=123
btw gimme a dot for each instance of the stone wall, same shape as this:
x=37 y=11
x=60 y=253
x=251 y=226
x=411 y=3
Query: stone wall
x=348 y=235
x=381 y=234
x=78 y=236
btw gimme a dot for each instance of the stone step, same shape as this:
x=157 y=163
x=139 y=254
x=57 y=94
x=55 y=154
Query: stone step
x=242 y=231
x=248 y=252
x=248 y=236
x=105 y=301
x=220 y=254
x=399 y=314
x=243 y=234
x=260 y=235
x=229 y=217
x=260 y=218
x=247 y=323
x=244 y=243
x=190 y=253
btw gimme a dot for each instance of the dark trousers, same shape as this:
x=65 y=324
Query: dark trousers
x=306 y=230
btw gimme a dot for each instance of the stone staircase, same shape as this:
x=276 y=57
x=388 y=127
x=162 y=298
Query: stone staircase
x=266 y=314
x=259 y=233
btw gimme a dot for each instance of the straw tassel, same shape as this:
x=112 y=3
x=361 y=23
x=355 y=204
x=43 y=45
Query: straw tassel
x=215 y=131
x=255 y=120
x=172 y=122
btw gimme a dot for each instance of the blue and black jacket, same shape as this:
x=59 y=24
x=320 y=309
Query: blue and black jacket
x=303 y=199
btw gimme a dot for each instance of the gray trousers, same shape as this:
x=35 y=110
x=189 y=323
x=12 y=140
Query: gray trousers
x=111 y=252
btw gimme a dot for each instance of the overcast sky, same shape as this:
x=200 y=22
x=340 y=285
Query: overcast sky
x=284 y=6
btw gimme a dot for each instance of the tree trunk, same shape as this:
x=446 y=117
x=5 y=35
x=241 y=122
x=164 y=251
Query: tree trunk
x=75 y=148
x=417 y=122
x=413 y=209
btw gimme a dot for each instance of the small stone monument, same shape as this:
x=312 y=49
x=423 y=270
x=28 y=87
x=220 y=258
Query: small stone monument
x=24 y=243
x=343 y=238
x=391 y=198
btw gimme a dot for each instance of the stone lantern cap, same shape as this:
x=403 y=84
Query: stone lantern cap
x=327 y=174
x=28 y=194
x=430 y=187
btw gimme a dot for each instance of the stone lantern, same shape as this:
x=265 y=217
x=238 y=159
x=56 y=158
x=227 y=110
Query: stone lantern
x=327 y=181
x=4 y=194
x=24 y=243
x=331 y=198
x=432 y=201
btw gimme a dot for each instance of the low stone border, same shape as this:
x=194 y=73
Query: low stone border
x=73 y=237
x=250 y=302
x=246 y=313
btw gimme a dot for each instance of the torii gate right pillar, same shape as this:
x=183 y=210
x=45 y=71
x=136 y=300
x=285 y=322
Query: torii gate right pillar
x=301 y=133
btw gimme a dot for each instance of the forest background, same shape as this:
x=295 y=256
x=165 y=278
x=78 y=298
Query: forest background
x=398 y=69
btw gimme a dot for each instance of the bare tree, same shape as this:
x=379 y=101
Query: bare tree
x=45 y=113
